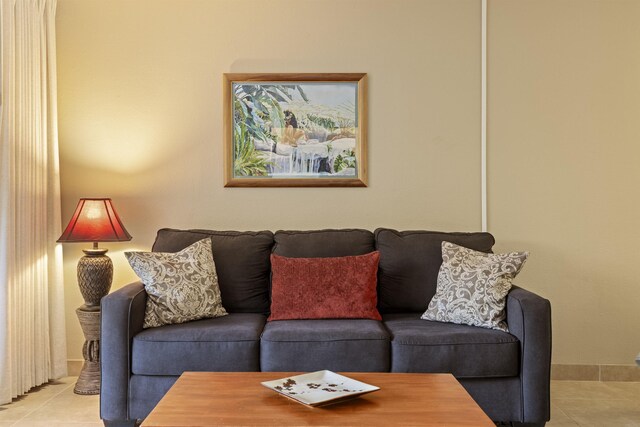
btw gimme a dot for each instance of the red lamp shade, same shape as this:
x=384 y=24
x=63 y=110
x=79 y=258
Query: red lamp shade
x=95 y=220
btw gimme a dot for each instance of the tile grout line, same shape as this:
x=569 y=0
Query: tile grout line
x=557 y=408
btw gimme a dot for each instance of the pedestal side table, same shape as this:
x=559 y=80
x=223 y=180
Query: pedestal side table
x=89 y=379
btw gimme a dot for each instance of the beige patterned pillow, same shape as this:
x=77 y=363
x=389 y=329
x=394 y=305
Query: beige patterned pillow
x=473 y=286
x=181 y=286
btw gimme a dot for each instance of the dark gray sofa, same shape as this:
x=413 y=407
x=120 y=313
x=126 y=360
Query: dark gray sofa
x=506 y=373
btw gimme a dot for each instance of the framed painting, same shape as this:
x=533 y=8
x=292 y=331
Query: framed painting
x=295 y=130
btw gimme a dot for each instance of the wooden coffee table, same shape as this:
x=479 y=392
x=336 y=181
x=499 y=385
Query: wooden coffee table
x=238 y=398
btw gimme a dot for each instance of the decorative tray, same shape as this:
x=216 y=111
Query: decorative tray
x=320 y=388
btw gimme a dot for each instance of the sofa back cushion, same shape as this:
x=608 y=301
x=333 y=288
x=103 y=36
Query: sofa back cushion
x=323 y=243
x=409 y=265
x=241 y=259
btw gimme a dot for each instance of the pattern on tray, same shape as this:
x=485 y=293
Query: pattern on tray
x=289 y=385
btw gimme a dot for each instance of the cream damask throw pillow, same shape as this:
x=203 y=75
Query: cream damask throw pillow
x=472 y=287
x=181 y=286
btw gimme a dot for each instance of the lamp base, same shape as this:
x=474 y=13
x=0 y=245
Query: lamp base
x=95 y=274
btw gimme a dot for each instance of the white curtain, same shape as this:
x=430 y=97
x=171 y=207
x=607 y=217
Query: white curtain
x=32 y=336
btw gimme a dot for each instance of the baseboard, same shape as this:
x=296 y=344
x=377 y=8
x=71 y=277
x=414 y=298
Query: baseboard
x=74 y=366
x=595 y=372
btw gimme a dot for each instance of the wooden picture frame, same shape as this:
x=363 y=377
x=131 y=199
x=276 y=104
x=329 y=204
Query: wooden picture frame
x=295 y=130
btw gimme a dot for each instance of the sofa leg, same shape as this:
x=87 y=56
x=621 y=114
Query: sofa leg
x=528 y=424
x=121 y=423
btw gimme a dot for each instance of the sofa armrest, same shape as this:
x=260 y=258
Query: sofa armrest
x=122 y=318
x=529 y=319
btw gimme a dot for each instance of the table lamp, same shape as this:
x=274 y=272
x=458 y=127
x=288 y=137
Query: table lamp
x=95 y=220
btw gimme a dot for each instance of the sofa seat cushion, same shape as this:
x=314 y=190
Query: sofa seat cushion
x=465 y=351
x=351 y=345
x=229 y=343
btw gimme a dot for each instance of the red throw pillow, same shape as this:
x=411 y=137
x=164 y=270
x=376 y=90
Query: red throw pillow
x=324 y=288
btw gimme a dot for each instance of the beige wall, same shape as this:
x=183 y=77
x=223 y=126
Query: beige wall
x=140 y=121
x=564 y=181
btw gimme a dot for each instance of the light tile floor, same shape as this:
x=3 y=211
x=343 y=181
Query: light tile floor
x=590 y=403
x=573 y=403
x=53 y=404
